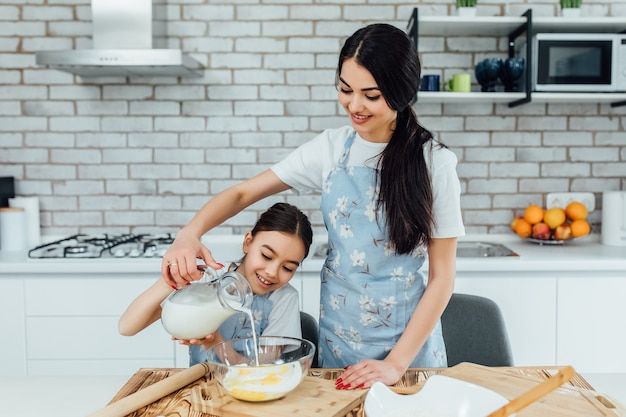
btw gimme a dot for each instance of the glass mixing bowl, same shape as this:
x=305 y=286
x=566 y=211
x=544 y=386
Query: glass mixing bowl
x=283 y=364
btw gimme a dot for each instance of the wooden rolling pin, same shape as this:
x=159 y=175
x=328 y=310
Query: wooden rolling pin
x=535 y=393
x=152 y=393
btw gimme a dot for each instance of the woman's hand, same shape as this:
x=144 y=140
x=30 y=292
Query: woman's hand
x=179 y=262
x=179 y=266
x=368 y=371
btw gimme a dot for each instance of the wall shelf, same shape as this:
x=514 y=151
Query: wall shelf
x=430 y=97
x=616 y=99
x=503 y=25
x=477 y=97
x=513 y=27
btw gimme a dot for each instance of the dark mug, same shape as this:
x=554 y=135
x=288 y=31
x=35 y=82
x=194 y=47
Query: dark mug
x=430 y=83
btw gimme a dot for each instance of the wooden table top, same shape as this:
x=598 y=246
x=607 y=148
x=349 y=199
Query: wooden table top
x=194 y=399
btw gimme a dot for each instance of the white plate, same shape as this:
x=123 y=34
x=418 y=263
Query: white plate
x=441 y=396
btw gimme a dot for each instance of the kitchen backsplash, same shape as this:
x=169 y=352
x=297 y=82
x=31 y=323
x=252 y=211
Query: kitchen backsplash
x=143 y=154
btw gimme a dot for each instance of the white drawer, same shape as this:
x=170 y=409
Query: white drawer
x=93 y=367
x=78 y=297
x=93 y=338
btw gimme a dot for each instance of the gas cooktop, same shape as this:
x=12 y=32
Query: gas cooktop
x=105 y=246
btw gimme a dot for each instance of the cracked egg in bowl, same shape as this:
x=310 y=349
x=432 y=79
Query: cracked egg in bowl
x=283 y=362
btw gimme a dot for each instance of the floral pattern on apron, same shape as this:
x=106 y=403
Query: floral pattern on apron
x=238 y=326
x=368 y=293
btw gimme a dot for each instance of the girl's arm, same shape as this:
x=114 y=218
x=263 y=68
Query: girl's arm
x=145 y=309
x=441 y=273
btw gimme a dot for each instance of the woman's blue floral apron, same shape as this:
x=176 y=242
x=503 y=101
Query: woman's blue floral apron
x=368 y=292
x=238 y=326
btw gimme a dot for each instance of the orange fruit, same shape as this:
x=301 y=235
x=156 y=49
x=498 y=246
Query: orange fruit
x=523 y=228
x=533 y=214
x=576 y=211
x=580 y=228
x=554 y=217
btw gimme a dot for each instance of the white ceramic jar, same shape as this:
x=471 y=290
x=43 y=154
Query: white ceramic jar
x=614 y=218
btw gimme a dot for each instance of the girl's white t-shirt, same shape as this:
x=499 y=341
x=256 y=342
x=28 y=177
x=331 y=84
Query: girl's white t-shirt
x=284 y=317
x=305 y=169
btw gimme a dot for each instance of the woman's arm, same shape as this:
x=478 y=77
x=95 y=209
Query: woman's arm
x=441 y=273
x=187 y=246
x=145 y=309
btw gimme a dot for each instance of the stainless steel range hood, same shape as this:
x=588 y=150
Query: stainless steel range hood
x=128 y=40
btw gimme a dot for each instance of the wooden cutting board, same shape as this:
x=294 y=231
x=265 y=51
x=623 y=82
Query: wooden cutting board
x=564 y=402
x=314 y=397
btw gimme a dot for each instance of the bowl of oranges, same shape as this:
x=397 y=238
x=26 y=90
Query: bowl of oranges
x=554 y=225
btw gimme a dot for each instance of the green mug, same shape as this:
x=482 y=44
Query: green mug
x=460 y=83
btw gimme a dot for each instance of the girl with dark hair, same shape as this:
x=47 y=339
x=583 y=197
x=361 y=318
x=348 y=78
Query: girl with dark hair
x=273 y=250
x=390 y=195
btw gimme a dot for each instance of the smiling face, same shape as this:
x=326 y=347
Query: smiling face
x=371 y=116
x=271 y=259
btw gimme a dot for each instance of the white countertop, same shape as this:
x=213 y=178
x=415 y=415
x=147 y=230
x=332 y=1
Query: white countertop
x=78 y=396
x=584 y=254
x=580 y=255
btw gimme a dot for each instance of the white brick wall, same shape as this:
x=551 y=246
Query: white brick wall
x=143 y=154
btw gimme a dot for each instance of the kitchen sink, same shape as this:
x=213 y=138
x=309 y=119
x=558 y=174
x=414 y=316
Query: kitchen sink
x=471 y=249
x=464 y=249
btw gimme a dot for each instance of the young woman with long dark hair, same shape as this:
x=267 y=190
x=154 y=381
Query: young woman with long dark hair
x=390 y=197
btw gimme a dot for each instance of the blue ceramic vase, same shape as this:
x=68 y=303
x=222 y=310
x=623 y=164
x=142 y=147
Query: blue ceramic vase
x=512 y=71
x=487 y=72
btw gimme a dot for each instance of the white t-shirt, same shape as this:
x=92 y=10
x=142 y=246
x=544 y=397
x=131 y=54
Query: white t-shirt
x=284 y=318
x=306 y=168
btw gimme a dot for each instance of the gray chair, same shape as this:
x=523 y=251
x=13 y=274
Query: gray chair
x=474 y=331
x=310 y=332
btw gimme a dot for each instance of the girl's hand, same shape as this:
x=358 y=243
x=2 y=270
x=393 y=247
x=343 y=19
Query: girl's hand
x=368 y=371
x=179 y=264
x=208 y=341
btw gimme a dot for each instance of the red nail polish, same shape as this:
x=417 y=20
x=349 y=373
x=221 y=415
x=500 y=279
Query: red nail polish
x=174 y=286
x=221 y=265
x=347 y=386
x=339 y=386
x=188 y=283
x=346 y=367
x=361 y=385
x=338 y=381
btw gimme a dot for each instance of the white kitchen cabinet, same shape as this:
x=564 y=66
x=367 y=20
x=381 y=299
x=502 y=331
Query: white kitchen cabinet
x=591 y=335
x=71 y=328
x=528 y=306
x=310 y=293
x=12 y=328
x=91 y=345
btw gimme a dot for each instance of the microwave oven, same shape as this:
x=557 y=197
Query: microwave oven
x=575 y=62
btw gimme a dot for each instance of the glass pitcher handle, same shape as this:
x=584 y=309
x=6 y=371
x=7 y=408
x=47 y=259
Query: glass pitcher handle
x=235 y=291
x=210 y=274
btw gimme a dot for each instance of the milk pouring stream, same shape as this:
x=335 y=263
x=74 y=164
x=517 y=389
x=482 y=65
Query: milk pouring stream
x=197 y=310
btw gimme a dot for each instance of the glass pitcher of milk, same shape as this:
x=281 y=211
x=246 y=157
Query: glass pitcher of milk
x=198 y=309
